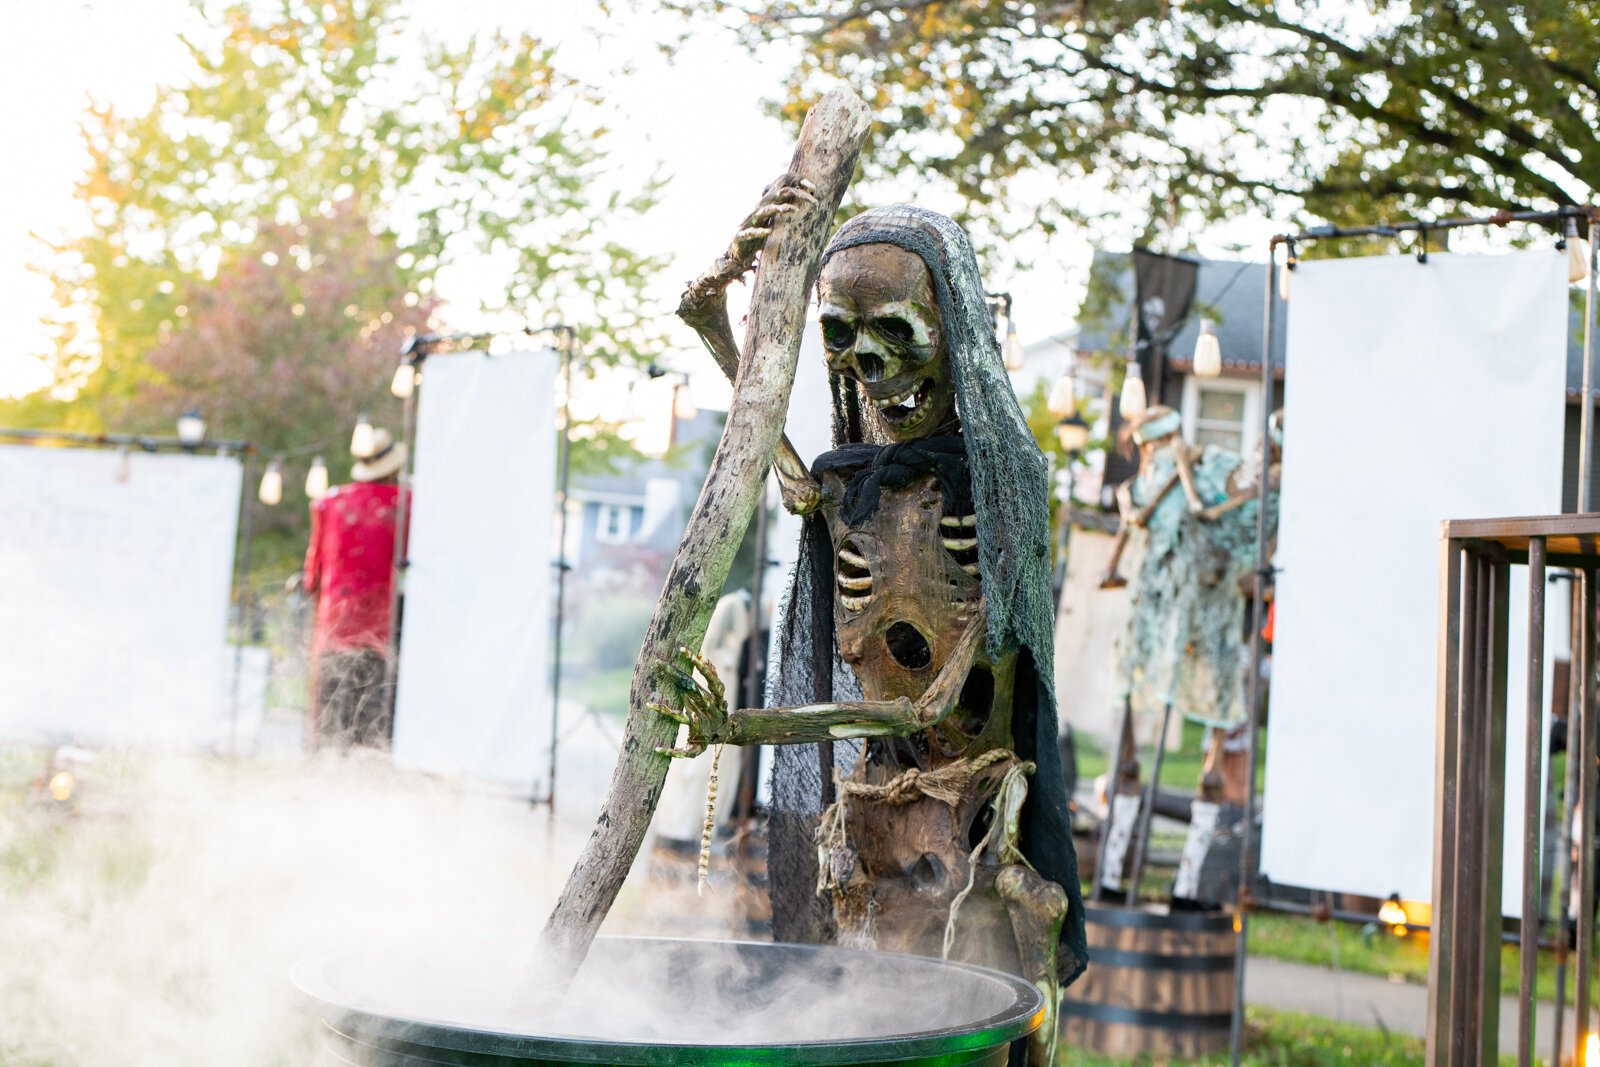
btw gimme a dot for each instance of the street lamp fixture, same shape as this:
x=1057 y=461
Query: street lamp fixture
x=1073 y=433
x=271 y=491
x=317 y=479
x=191 y=428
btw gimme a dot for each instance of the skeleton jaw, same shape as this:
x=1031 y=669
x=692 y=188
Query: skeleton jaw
x=905 y=411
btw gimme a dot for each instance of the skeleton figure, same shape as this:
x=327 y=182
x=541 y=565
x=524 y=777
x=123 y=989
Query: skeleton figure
x=1184 y=641
x=920 y=616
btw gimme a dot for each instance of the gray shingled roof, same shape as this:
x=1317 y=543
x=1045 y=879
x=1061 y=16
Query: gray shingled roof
x=1230 y=292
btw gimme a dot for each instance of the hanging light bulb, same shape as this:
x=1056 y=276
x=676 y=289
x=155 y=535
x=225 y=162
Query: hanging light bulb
x=405 y=381
x=1013 y=346
x=1061 y=396
x=1131 y=403
x=317 y=479
x=361 y=441
x=1207 y=352
x=683 y=402
x=271 y=491
x=1577 y=253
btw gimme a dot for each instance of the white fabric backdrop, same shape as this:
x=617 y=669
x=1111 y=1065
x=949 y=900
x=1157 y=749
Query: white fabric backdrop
x=474 y=681
x=1415 y=394
x=115 y=573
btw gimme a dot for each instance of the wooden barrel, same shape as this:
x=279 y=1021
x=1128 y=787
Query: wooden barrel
x=1158 y=982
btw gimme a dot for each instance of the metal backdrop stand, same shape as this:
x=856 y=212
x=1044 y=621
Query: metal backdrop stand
x=1249 y=867
x=244 y=538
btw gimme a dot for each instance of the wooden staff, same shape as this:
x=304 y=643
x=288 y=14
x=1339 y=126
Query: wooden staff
x=832 y=138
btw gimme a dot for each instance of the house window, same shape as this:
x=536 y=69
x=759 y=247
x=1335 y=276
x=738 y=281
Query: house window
x=1222 y=411
x=613 y=523
x=1219 y=418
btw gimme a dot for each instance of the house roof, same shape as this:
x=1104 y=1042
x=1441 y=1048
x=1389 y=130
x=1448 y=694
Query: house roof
x=696 y=440
x=1226 y=291
x=1230 y=293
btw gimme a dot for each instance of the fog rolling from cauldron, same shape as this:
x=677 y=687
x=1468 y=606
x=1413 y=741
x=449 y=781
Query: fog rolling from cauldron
x=702 y=993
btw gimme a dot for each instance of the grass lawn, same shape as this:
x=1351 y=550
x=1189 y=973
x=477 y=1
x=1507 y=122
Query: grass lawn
x=1288 y=1039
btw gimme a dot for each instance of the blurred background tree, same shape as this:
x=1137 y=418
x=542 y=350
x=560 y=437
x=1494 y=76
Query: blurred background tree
x=263 y=237
x=1164 y=114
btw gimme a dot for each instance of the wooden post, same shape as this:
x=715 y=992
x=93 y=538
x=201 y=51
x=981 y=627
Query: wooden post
x=832 y=138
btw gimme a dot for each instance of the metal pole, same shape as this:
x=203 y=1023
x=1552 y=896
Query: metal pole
x=1586 y=413
x=1532 y=795
x=399 y=560
x=241 y=578
x=1142 y=839
x=1241 y=918
x=568 y=343
x=1569 y=793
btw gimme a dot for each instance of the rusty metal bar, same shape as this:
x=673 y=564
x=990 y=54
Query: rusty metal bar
x=1586 y=805
x=1468 y=825
x=1497 y=642
x=1446 y=805
x=1569 y=791
x=1532 y=797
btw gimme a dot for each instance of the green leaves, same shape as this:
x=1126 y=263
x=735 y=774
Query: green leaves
x=1154 y=113
x=313 y=133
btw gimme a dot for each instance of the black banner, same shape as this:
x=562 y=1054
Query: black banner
x=1163 y=293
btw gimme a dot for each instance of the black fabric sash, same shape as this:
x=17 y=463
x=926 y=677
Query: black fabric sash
x=896 y=466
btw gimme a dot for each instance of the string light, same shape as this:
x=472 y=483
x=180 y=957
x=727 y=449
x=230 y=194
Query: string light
x=271 y=491
x=1577 y=253
x=405 y=381
x=1013 y=346
x=1061 y=399
x=191 y=428
x=317 y=479
x=1207 y=352
x=362 y=440
x=1132 y=401
x=683 y=406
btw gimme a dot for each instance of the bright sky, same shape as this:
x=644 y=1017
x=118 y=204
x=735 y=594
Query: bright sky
x=699 y=116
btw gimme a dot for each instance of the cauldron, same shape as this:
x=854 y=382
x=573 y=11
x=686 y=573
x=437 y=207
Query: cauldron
x=658 y=1001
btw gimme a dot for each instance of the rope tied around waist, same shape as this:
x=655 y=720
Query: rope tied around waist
x=948 y=784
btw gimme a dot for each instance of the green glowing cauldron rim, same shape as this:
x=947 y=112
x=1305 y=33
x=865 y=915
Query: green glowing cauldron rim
x=959 y=1044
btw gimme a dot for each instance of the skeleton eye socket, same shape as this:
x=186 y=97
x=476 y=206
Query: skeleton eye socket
x=893 y=328
x=837 y=335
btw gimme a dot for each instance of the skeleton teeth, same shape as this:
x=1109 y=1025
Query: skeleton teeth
x=972 y=569
x=854 y=603
x=856 y=584
x=908 y=396
x=955 y=522
x=959 y=544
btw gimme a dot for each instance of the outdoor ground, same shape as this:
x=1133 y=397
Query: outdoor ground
x=153 y=921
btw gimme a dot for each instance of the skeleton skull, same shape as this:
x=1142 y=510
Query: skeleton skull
x=880 y=327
